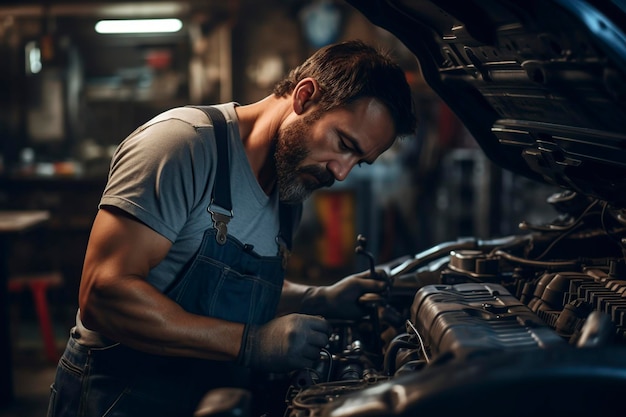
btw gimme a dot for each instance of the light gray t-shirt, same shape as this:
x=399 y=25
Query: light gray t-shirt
x=163 y=174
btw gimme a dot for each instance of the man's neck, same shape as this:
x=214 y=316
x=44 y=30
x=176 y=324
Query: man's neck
x=258 y=127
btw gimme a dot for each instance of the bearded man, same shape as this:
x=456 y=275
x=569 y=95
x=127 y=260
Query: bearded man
x=183 y=288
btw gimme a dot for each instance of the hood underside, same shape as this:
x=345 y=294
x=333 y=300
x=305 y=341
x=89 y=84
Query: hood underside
x=541 y=85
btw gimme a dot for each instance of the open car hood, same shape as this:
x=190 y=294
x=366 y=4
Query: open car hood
x=541 y=85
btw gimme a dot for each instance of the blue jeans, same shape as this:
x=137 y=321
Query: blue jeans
x=117 y=381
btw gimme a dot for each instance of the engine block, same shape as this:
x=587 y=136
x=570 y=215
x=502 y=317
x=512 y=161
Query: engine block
x=470 y=317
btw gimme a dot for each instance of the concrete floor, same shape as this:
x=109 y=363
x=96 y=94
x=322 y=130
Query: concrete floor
x=32 y=372
x=32 y=378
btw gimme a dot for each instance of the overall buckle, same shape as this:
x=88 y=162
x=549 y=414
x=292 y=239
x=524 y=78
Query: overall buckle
x=220 y=223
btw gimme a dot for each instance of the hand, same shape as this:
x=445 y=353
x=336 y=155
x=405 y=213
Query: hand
x=286 y=343
x=341 y=300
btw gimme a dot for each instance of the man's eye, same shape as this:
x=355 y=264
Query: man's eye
x=343 y=146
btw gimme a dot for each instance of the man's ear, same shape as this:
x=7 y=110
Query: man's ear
x=305 y=95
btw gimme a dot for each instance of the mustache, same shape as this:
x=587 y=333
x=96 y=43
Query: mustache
x=323 y=176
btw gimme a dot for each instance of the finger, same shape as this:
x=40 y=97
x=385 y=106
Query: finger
x=318 y=340
x=363 y=274
x=319 y=324
x=380 y=275
x=370 y=285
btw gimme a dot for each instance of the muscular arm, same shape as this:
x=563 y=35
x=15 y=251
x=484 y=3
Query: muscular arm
x=116 y=300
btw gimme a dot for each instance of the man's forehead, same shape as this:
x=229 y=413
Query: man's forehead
x=371 y=127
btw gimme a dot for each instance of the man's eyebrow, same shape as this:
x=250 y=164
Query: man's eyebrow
x=355 y=145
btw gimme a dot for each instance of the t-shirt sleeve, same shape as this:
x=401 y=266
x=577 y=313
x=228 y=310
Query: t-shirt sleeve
x=159 y=174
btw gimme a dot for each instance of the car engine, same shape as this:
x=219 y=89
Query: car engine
x=529 y=324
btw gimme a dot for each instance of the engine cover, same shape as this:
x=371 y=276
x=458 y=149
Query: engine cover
x=476 y=317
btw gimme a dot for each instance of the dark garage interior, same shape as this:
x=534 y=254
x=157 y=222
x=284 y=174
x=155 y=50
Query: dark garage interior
x=69 y=95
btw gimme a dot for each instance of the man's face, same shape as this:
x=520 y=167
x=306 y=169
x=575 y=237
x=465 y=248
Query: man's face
x=314 y=150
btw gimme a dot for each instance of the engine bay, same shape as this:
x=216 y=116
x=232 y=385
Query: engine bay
x=528 y=324
x=534 y=322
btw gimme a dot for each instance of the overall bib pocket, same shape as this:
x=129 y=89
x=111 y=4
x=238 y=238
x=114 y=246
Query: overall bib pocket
x=236 y=291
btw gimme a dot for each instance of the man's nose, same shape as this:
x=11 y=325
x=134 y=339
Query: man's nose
x=340 y=168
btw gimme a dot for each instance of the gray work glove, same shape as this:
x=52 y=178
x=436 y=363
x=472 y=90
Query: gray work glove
x=286 y=343
x=341 y=299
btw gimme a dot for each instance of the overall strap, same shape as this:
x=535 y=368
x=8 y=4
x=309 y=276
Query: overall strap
x=221 y=191
x=220 y=195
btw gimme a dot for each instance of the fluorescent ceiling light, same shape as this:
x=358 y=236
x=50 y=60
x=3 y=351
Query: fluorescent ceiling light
x=139 y=26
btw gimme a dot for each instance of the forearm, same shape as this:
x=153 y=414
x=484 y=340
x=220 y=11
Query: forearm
x=305 y=299
x=133 y=312
x=298 y=298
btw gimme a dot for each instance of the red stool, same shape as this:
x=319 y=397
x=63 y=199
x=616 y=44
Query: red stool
x=38 y=285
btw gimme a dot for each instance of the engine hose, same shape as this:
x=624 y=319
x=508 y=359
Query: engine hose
x=539 y=264
x=397 y=343
x=444 y=249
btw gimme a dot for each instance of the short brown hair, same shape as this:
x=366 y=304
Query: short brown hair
x=351 y=70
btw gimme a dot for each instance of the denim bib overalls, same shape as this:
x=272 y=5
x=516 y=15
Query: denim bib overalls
x=225 y=279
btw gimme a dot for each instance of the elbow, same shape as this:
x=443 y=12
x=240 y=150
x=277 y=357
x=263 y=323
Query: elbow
x=89 y=311
x=87 y=314
x=88 y=319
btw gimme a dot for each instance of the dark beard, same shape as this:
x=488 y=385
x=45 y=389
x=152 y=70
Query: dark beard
x=296 y=182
